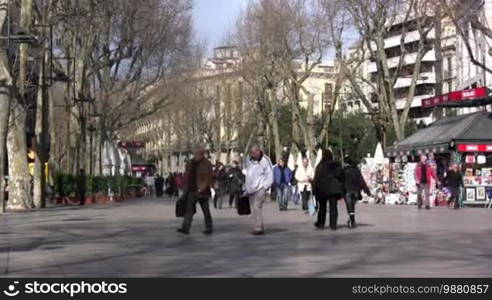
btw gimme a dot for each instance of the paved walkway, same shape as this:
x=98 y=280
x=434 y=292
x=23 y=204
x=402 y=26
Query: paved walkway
x=138 y=239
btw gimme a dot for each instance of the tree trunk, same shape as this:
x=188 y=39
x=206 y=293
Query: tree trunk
x=41 y=127
x=310 y=127
x=273 y=120
x=5 y=95
x=439 y=60
x=19 y=178
x=4 y=121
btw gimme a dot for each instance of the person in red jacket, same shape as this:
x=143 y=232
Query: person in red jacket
x=424 y=173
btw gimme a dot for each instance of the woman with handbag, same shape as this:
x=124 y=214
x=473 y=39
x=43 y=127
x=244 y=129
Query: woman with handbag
x=328 y=187
x=353 y=184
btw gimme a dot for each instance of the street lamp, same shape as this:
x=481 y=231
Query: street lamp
x=91 y=130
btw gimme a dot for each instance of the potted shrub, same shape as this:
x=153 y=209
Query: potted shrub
x=91 y=188
x=102 y=189
x=70 y=189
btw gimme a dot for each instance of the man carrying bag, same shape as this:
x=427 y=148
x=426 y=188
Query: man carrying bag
x=199 y=178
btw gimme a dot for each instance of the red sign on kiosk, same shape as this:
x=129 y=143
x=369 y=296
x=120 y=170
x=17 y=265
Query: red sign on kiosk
x=475 y=148
x=465 y=95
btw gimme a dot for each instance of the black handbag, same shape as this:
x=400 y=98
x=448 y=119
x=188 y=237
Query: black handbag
x=181 y=206
x=243 y=206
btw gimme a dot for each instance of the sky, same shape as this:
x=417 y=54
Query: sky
x=215 y=18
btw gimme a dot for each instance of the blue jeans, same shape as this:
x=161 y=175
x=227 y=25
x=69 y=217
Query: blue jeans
x=283 y=194
x=295 y=194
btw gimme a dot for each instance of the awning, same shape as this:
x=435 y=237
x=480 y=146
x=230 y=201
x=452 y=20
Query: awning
x=465 y=129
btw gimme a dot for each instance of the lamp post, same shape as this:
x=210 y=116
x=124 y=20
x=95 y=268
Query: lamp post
x=91 y=130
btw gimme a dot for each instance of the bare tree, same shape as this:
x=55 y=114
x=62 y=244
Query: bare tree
x=259 y=68
x=5 y=96
x=471 y=25
x=121 y=50
x=372 y=22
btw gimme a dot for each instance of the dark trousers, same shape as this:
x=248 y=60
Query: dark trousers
x=350 y=201
x=305 y=195
x=192 y=200
x=455 y=196
x=333 y=211
x=233 y=198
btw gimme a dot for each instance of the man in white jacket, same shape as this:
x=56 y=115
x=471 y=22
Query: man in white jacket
x=304 y=176
x=259 y=179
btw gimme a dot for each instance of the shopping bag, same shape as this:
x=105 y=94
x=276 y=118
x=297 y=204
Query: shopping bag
x=312 y=206
x=212 y=193
x=181 y=206
x=243 y=206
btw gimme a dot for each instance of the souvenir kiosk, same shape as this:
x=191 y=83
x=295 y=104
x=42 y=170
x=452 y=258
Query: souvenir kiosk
x=464 y=139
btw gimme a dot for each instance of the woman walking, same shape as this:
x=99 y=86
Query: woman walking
x=353 y=184
x=327 y=187
x=304 y=176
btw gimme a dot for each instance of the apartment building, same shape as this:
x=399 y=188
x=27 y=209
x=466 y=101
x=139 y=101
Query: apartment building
x=468 y=74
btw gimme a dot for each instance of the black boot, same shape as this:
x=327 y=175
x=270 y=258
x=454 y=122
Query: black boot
x=351 y=222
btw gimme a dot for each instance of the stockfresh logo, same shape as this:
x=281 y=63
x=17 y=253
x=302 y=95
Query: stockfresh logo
x=12 y=290
x=71 y=289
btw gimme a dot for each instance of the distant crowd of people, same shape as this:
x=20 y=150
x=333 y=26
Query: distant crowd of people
x=259 y=179
x=316 y=189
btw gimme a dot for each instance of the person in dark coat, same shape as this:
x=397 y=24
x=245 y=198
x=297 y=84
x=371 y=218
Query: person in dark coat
x=220 y=176
x=282 y=178
x=159 y=185
x=454 y=182
x=236 y=180
x=199 y=180
x=353 y=184
x=328 y=187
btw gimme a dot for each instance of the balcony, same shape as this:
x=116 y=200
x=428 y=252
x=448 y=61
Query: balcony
x=424 y=78
x=409 y=60
x=416 y=102
x=412 y=36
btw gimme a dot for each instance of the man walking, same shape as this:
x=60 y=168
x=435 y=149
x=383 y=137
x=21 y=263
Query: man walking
x=259 y=178
x=282 y=177
x=199 y=180
x=424 y=173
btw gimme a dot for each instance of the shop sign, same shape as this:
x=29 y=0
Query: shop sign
x=474 y=148
x=139 y=169
x=464 y=95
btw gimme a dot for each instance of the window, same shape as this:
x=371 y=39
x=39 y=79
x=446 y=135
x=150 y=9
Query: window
x=450 y=86
x=449 y=70
x=328 y=89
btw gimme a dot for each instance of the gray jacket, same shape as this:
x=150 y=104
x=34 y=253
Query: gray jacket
x=259 y=174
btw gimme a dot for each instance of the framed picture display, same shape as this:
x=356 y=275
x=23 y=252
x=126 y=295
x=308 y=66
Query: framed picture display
x=481 y=193
x=470 y=194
